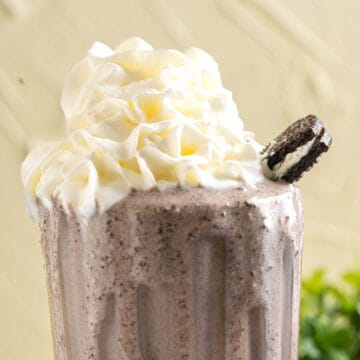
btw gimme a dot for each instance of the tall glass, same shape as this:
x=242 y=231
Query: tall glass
x=193 y=274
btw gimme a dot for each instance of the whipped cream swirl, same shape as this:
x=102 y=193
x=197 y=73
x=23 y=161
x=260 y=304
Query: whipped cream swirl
x=139 y=117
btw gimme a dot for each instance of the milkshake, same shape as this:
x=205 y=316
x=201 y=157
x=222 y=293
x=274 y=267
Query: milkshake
x=162 y=237
x=182 y=274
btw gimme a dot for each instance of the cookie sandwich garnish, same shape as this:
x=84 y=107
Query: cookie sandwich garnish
x=295 y=150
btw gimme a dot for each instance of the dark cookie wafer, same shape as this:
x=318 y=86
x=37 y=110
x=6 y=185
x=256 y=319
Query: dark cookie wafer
x=296 y=149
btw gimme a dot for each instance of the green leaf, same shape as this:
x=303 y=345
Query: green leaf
x=330 y=317
x=308 y=349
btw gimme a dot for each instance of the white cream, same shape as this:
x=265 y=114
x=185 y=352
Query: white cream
x=139 y=117
x=289 y=161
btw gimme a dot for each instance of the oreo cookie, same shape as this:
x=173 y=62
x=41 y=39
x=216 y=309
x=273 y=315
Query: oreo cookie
x=295 y=150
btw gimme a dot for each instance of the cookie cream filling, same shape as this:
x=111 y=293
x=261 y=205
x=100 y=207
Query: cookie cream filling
x=291 y=159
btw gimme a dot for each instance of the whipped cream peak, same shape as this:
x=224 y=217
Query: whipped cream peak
x=139 y=117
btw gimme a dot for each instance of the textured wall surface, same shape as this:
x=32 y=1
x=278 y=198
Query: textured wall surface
x=282 y=59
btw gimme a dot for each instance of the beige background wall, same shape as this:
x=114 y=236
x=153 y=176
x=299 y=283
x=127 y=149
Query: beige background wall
x=282 y=59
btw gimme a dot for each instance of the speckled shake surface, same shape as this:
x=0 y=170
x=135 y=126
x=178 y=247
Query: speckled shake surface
x=193 y=274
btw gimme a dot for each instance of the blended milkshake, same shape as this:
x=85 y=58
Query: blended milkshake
x=162 y=238
x=183 y=274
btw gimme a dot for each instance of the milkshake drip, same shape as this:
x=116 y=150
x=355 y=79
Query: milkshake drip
x=184 y=274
